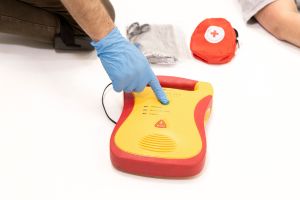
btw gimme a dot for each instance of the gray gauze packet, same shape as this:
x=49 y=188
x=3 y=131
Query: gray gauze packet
x=157 y=42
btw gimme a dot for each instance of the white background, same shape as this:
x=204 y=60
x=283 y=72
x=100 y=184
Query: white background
x=54 y=135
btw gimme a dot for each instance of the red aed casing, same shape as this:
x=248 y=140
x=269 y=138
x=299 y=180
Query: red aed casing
x=147 y=163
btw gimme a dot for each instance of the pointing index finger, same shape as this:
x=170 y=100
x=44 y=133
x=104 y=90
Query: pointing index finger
x=158 y=91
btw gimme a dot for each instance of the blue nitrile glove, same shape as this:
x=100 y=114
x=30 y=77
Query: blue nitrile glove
x=126 y=66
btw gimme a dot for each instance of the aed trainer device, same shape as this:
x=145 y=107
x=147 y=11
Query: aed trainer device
x=151 y=139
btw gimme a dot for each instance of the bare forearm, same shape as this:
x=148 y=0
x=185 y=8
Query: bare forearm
x=281 y=19
x=291 y=28
x=91 y=15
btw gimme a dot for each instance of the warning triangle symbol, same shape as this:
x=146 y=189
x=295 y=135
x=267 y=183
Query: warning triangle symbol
x=161 y=124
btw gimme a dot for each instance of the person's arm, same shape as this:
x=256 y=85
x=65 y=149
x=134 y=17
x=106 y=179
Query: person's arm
x=92 y=17
x=281 y=18
x=125 y=65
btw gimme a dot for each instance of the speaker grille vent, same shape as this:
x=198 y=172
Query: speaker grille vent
x=157 y=143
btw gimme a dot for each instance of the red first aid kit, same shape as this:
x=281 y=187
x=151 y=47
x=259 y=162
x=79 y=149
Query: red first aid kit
x=214 y=41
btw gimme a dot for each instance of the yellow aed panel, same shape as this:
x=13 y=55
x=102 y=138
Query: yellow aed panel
x=164 y=131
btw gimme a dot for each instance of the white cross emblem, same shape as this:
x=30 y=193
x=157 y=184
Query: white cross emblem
x=214 y=34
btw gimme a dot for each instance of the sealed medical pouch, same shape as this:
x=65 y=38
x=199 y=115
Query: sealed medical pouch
x=214 y=41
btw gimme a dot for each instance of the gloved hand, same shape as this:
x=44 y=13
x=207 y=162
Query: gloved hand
x=126 y=66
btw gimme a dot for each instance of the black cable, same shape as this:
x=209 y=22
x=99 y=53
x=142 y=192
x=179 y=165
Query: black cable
x=113 y=121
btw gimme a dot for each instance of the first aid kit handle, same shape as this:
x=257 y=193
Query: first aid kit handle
x=177 y=83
